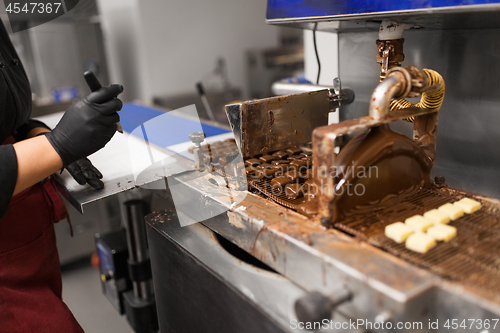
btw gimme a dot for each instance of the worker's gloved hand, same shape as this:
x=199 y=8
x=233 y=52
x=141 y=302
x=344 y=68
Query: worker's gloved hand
x=83 y=171
x=87 y=125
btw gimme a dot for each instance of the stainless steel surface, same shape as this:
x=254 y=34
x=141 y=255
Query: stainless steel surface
x=136 y=237
x=272 y=293
x=337 y=95
x=279 y=122
x=138 y=244
x=115 y=162
x=286 y=88
x=321 y=260
x=467 y=144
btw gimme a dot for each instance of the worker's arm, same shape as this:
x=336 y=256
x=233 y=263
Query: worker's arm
x=36 y=160
x=37 y=131
x=83 y=171
x=84 y=128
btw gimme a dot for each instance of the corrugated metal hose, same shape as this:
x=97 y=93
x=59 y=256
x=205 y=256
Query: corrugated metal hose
x=429 y=100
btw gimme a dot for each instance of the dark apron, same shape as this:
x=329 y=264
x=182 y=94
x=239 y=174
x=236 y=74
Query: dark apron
x=30 y=276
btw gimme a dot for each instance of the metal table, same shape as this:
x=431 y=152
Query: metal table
x=384 y=288
x=128 y=161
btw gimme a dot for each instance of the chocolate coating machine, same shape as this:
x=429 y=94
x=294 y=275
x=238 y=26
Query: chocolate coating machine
x=342 y=267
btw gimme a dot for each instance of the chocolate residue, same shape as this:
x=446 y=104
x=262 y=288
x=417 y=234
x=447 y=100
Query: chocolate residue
x=294 y=191
x=375 y=164
x=308 y=208
x=278 y=184
x=268 y=158
x=281 y=154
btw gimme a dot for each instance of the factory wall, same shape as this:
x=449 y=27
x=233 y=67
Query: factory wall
x=328 y=53
x=327 y=44
x=158 y=47
x=122 y=33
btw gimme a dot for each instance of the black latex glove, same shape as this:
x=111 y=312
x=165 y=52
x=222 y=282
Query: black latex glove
x=83 y=171
x=88 y=125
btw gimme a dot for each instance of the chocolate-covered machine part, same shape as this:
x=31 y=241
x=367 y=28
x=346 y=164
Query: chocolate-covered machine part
x=402 y=187
x=332 y=245
x=287 y=168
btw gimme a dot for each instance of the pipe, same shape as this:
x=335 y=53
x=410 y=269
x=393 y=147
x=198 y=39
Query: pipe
x=390 y=46
x=430 y=100
x=391 y=30
x=393 y=86
x=286 y=88
x=138 y=243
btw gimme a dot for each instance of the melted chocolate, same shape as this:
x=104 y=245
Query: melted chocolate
x=308 y=174
x=250 y=169
x=307 y=159
x=294 y=150
x=374 y=164
x=298 y=165
x=293 y=175
x=280 y=169
x=268 y=172
x=308 y=208
x=255 y=175
x=310 y=196
x=280 y=162
x=278 y=184
x=294 y=191
x=267 y=158
x=253 y=161
x=310 y=186
x=281 y=154
x=264 y=166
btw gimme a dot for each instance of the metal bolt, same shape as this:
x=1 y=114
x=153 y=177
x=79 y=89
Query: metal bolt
x=439 y=180
x=315 y=307
x=197 y=138
x=325 y=221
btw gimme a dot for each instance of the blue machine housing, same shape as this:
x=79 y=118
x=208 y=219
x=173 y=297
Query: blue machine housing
x=281 y=9
x=358 y=15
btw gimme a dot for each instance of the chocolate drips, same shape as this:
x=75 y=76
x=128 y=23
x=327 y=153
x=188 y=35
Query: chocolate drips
x=374 y=164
